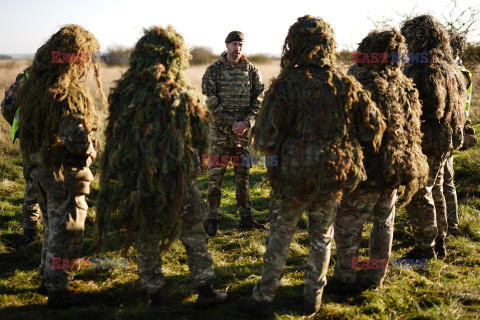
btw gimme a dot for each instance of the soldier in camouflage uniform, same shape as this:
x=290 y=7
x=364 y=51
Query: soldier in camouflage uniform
x=443 y=94
x=458 y=43
x=30 y=209
x=153 y=184
x=234 y=91
x=313 y=117
x=400 y=161
x=57 y=117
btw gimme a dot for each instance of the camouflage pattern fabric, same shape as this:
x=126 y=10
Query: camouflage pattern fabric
x=354 y=209
x=61 y=193
x=321 y=215
x=31 y=208
x=193 y=239
x=450 y=194
x=427 y=214
x=234 y=93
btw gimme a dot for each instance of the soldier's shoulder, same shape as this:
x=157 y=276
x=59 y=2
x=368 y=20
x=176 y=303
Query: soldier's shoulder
x=216 y=65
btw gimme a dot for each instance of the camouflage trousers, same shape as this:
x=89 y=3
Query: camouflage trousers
x=450 y=193
x=242 y=192
x=426 y=210
x=31 y=208
x=351 y=215
x=193 y=238
x=61 y=195
x=321 y=215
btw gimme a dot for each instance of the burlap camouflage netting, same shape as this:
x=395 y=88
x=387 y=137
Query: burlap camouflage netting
x=322 y=109
x=458 y=43
x=400 y=160
x=439 y=82
x=57 y=89
x=154 y=121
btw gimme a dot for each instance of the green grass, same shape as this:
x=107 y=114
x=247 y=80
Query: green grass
x=448 y=289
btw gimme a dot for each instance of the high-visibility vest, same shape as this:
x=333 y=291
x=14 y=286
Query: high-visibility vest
x=17 y=113
x=469 y=79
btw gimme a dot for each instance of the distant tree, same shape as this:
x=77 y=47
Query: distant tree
x=202 y=55
x=5 y=57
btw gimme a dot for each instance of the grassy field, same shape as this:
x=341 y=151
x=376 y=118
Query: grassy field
x=447 y=289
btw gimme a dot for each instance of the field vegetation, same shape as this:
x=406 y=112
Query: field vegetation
x=447 y=289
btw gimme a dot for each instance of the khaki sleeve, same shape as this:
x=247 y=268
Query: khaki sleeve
x=256 y=97
x=209 y=88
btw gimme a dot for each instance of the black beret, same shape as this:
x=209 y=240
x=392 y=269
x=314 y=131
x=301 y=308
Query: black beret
x=234 y=36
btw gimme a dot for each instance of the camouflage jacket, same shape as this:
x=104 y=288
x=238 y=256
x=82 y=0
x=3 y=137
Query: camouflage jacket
x=9 y=107
x=314 y=118
x=234 y=93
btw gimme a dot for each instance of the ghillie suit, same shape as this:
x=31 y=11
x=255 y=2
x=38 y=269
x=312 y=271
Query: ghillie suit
x=442 y=93
x=57 y=116
x=314 y=118
x=458 y=43
x=156 y=126
x=399 y=161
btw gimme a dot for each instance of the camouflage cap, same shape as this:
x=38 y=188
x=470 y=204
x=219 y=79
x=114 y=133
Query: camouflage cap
x=234 y=36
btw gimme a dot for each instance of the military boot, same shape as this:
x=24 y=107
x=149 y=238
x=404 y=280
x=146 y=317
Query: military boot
x=156 y=300
x=208 y=297
x=419 y=253
x=30 y=235
x=63 y=299
x=254 y=307
x=335 y=286
x=248 y=223
x=440 y=249
x=42 y=289
x=213 y=226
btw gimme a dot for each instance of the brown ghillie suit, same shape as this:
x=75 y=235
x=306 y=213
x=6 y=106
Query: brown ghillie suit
x=57 y=117
x=443 y=94
x=313 y=118
x=399 y=161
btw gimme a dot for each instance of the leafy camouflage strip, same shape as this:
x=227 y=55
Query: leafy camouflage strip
x=56 y=91
x=355 y=208
x=157 y=124
x=315 y=159
x=400 y=160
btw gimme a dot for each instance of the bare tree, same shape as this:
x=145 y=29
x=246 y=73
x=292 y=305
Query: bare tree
x=465 y=21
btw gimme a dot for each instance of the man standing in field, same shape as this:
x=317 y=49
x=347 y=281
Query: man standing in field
x=30 y=209
x=314 y=118
x=234 y=91
x=443 y=94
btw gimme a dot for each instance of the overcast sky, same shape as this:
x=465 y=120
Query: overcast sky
x=26 y=24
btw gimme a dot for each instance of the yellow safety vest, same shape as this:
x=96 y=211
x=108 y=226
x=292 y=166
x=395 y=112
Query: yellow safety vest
x=469 y=78
x=15 y=125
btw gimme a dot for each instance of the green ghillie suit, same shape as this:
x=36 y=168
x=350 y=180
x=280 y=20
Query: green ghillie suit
x=399 y=161
x=57 y=117
x=156 y=126
x=443 y=94
x=314 y=118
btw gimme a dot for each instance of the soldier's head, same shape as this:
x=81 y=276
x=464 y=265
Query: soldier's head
x=57 y=88
x=234 y=44
x=458 y=43
x=424 y=33
x=382 y=43
x=162 y=52
x=309 y=41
